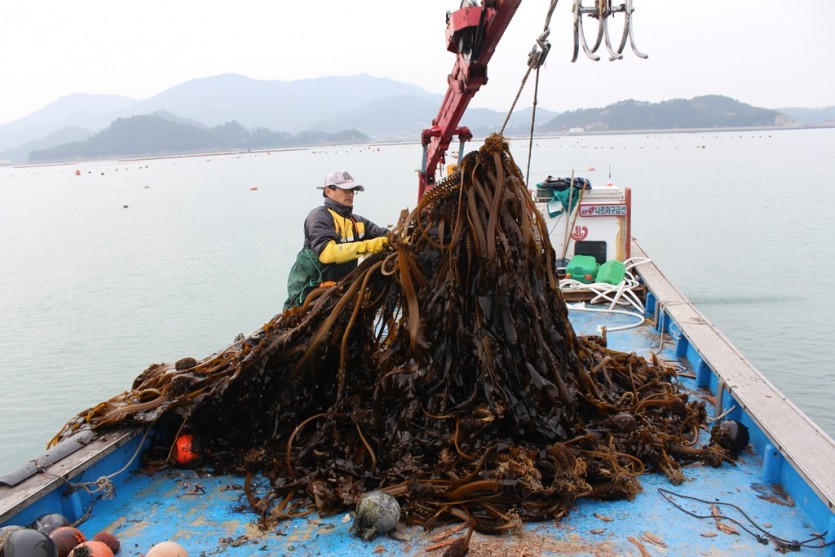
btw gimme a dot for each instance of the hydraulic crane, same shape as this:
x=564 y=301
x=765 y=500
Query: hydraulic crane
x=472 y=34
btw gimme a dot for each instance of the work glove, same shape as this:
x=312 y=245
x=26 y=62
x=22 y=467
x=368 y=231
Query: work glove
x=377 y=244
x=342 y=253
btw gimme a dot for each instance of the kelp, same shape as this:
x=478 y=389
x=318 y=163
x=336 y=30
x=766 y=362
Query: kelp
x=443 y=371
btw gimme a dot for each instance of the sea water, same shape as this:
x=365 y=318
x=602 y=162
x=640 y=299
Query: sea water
x=107 y=267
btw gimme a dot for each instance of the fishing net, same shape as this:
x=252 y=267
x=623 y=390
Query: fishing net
x=443 y=371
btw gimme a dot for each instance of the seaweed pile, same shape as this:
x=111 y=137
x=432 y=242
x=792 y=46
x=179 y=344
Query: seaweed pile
x=443 y=371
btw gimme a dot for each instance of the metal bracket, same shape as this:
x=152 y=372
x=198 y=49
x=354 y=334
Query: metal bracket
x=601 y=11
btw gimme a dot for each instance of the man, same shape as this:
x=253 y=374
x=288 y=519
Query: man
x=334 y=238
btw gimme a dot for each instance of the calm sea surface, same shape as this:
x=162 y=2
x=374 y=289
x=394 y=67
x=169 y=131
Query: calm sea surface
x=125 y=264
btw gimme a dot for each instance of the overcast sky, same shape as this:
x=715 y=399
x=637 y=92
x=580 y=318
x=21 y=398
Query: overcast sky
x=768 y=53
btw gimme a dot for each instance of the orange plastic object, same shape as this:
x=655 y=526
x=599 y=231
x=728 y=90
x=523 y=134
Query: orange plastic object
x=184 y=450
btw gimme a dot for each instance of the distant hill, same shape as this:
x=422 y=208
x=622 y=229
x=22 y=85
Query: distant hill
x=69 y=134
x=404 y=117
x=161 y=134
x=811 y=116
x=379 y=108
x=287 y=106
x=78 y=111
x=710 y=111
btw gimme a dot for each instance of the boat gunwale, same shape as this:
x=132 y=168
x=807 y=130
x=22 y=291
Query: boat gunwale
x=801 y=442
x=17 y=498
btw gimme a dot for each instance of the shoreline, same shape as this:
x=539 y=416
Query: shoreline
x=393 y=141
x=684 y=130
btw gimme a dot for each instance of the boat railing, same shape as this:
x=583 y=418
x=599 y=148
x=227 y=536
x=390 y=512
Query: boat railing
x=18 y=499
x=796 y=452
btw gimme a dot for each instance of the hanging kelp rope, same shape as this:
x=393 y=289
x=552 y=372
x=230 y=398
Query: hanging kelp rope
x=444 y=372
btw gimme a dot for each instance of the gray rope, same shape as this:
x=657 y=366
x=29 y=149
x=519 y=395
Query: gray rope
x=536 y=58
x=533 y=122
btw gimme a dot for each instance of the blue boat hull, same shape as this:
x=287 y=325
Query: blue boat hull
x=773 y=496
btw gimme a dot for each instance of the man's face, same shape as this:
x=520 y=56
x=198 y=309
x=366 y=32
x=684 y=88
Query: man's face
x=345 y=197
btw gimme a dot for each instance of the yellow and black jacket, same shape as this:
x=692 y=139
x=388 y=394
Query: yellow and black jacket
x=334 y=238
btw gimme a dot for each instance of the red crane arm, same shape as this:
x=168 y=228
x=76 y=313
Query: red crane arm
x=472 y=34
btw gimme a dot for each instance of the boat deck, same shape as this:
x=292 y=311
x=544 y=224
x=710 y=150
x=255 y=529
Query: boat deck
x=203 y=512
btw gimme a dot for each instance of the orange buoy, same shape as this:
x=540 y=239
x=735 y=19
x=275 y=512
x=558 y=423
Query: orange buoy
x=66 y=538
x=91 y=548
x=184 y=449
x=78 y=173
x=109 y=540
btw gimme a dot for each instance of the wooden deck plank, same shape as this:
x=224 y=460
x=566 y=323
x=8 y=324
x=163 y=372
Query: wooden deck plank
x=809 y=449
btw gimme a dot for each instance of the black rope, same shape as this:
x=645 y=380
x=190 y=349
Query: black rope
x=536 y=57
x=533 y=122
x=781 y=543
x=513 y=105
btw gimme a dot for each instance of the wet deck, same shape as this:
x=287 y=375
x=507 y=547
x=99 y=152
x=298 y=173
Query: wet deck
x=170 y=506
x=203 y=512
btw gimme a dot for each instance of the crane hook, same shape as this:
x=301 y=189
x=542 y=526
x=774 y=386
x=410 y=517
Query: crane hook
x=601 y=11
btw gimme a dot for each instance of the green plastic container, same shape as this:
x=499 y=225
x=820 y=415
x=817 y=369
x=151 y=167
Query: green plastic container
x=611 y=272
x=582 y=268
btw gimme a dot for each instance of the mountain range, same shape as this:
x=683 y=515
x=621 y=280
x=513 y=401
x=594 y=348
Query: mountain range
x=357 y=108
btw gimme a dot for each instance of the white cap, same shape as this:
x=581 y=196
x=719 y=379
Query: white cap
x=341 y=180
